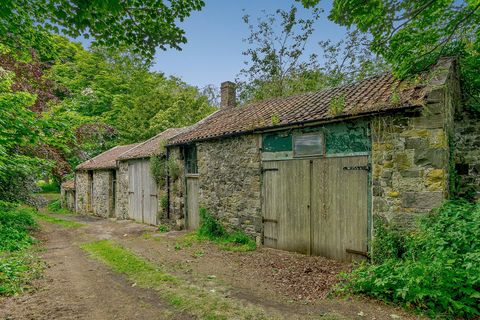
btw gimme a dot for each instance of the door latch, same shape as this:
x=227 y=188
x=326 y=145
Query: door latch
x=269 y=169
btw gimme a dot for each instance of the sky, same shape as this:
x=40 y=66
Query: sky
x=215 y=34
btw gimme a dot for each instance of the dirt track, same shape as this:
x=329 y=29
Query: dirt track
x=76 y=287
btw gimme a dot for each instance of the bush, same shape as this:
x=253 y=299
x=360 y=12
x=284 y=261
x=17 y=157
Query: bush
x=438 y=268
x=15 y=226
x=213 y=230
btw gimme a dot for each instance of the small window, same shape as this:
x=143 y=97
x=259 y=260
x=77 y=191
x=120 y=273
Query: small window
x=191 y=159
x=306 y=145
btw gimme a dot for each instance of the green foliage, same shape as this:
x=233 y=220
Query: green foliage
x=337 y=105
x=158 y=169
x=213 y=230
x=279 y=66
x=390 y=242
x=17 y=267
x=51 y=187
x=164 y=202
x=17 y=271
x=173 y=169
x=56 y=207
x=435 y=269
x=411 y=35
x=163 y=228
x=15 y=227
x=119 y=24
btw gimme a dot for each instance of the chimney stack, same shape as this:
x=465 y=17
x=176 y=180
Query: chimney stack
x=227 y=95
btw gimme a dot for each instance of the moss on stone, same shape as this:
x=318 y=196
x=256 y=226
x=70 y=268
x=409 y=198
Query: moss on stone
x=402 y=161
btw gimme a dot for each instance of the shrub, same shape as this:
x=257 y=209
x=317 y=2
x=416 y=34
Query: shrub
x=389 y=242
x=439 y=270
x=15 y=225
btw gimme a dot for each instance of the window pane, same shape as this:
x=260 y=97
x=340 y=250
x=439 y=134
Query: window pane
x=308 y=144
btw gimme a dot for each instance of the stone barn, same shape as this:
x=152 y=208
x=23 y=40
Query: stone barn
x=96 y=183
x=139 y=195
x=67 y=195
x=313 y=172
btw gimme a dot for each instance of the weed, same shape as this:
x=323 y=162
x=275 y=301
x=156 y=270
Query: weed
x=51 y=187
x=199 y=302
x=15 y=227
x=211 y=229
x=17 y=271
x=435 y=269
x=275 y=119
x=163 y=228
x=337 y=105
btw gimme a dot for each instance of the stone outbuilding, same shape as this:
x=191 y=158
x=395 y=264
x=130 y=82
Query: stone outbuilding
x=96 y=183
x=67 y=195
x=314 y=172
x=141 y=196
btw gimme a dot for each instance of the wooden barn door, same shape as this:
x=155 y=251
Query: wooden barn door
x=193 y=216
x=286 y=205
x=143 y=202
x=317 y=206
x=150 y=201
x=339 y=207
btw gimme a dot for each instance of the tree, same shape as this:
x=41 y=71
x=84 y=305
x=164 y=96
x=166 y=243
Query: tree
x=279 y=66
x=143 y=25
x=276 y=58
x=20 y=130
x=412 y=34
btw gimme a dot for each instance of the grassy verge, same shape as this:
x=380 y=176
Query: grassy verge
x=177 y=292
x=434 y=269
x=61 y=222
x=19 y=265
x=56 y=207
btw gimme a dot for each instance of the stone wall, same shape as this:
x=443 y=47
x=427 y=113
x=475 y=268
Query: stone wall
x=81 y=194
x=411 y=156
x=122 y=194
x=102 y=193
x=467 y=154
x=230 y=181
x=67 y=199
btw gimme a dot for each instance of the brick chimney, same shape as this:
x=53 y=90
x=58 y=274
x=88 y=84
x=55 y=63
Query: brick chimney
x=227 y=95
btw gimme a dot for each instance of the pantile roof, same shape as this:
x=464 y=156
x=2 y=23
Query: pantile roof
x=376 y=94
x=152 y=146
x=105 y=160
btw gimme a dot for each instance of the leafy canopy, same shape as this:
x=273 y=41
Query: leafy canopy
x=143 y=25
x=412 y=34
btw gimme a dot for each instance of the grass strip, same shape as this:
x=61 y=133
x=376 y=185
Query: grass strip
x=194 y=300
x=61 y=222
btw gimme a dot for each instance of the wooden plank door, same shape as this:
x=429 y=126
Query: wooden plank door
x=135 y=203
x=339 y=207
x=149 y=185
x=287 y=200
x=193 y=216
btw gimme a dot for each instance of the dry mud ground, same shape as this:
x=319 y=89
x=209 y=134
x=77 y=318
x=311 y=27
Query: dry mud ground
x=74 y=286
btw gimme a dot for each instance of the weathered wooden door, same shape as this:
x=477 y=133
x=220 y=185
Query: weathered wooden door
x=193 y=216
x=143 y=203
x=287 y=211
x=339 y=207
x=316 y=206
x=90 y=192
